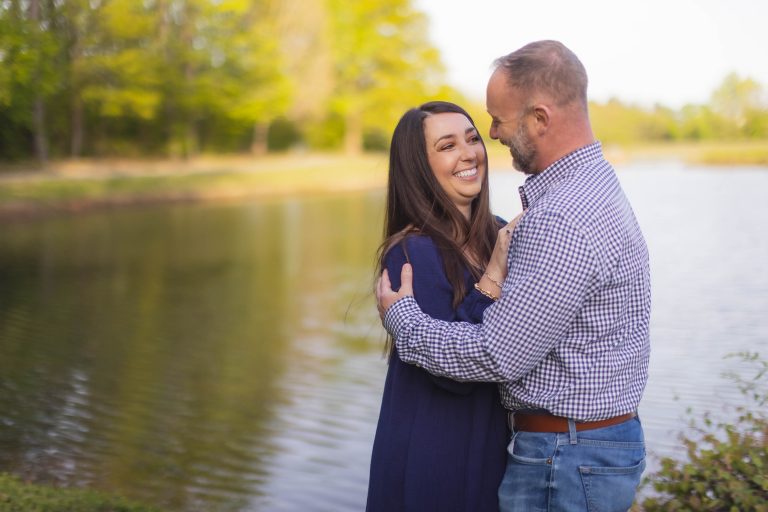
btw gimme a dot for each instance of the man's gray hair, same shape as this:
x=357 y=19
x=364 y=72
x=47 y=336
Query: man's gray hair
x=548 y=67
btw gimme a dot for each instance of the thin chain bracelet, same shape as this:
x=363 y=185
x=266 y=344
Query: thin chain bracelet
x=486 y=274
x=487 y=294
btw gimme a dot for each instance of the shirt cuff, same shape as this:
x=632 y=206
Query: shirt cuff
x=400 y=315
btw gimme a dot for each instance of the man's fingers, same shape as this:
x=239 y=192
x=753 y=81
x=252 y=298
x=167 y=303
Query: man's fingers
x=384 y=283
x=406 y=281
x=380 y=292
x=385 y=296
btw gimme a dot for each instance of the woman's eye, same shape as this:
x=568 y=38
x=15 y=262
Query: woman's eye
x=447 y=146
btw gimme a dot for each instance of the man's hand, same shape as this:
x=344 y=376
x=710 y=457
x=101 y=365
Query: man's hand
x=385 y=296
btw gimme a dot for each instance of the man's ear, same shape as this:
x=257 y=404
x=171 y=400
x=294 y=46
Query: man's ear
x=542 y=116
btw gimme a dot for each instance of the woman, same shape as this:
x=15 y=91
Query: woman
x=440 y=444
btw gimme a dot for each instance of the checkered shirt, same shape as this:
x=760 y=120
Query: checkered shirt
x=570 y=331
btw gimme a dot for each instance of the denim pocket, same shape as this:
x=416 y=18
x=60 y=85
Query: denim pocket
x=532 y=448
x=611 y=488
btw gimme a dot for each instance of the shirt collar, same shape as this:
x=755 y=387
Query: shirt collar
x=537 y=184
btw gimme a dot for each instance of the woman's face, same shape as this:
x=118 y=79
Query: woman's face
x=456 y=156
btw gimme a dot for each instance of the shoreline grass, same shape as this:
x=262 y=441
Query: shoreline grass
x=18 y=496
x=73 y=186
x=735 y=153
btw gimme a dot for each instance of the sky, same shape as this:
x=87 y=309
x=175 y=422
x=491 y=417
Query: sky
x=671 y=52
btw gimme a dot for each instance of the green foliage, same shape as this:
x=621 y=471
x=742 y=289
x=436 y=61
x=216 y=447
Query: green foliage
x=327 y=133
x=736 y=97
x=180 y=77
x=282 y=135
x=16 y=496
x=738 y=110
x=727 y=466
x=382 y=64
x=28 y=59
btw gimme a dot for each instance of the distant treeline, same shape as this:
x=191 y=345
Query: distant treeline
x=181 y=77
x=737 y=110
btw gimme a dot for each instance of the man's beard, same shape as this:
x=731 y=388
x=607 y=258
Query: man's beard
x=522 y=150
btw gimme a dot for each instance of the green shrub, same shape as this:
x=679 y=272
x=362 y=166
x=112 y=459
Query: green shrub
x=727 y=464
x=17 y=496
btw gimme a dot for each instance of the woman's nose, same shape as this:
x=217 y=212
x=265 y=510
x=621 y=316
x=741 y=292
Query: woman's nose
x=468 y=152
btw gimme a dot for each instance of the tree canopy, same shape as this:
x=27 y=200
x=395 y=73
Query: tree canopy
x=180 y=77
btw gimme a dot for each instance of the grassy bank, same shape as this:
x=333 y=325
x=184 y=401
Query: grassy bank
x=85 y=184
x=17 y=496
x=704 y=153
x=75 y=186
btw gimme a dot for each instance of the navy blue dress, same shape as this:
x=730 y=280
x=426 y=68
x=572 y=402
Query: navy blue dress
x=440 y=445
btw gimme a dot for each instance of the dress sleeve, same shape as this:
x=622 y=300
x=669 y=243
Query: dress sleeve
x=472 y=307
x=433 y=292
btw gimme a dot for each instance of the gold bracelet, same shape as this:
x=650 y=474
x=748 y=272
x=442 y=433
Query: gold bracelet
x=486 y=274
x=487 y=294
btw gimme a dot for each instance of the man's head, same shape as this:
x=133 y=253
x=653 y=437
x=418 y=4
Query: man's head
x=537 y=99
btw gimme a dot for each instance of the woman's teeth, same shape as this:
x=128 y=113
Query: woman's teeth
x=466 y=174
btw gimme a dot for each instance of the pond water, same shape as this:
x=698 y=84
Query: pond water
x=229 y=357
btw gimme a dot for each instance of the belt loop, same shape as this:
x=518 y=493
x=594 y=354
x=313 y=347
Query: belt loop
x=572 y=431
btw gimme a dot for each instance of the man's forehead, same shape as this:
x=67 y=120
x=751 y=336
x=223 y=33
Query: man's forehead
x=500 y=95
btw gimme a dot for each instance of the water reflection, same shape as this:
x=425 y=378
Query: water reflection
x=229 y=357
x=157 y=352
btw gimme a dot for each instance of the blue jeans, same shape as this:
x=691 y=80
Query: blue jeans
x=593 y=470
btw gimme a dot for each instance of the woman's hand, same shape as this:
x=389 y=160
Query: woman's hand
x=496 y=271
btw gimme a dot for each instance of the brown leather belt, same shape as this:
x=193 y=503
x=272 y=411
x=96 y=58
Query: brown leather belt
x=543 y=422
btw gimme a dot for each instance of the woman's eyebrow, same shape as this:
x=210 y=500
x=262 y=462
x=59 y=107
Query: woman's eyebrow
x=448 y=136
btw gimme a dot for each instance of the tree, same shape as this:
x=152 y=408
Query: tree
x=114 y=65
x=737 y=97
x=257 y=89
x=382 y=63
x=28 y=54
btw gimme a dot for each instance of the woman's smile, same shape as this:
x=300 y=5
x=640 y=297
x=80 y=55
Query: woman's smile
x=468 y=174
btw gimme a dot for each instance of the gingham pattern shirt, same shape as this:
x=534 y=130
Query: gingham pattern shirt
x=570 y=331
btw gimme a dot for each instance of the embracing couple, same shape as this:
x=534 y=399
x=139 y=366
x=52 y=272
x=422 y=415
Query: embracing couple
x=518 y=351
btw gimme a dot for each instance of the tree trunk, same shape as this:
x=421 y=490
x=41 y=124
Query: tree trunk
x=76 y=113
x=76 y=125
x=191 y=142
x=353 y=134
x=38 y=127
x=38 y=107
x=259 y=140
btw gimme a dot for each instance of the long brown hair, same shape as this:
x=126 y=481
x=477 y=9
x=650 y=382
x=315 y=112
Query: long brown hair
x=416 y=203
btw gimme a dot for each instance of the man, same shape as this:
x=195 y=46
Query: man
x=568 y=336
